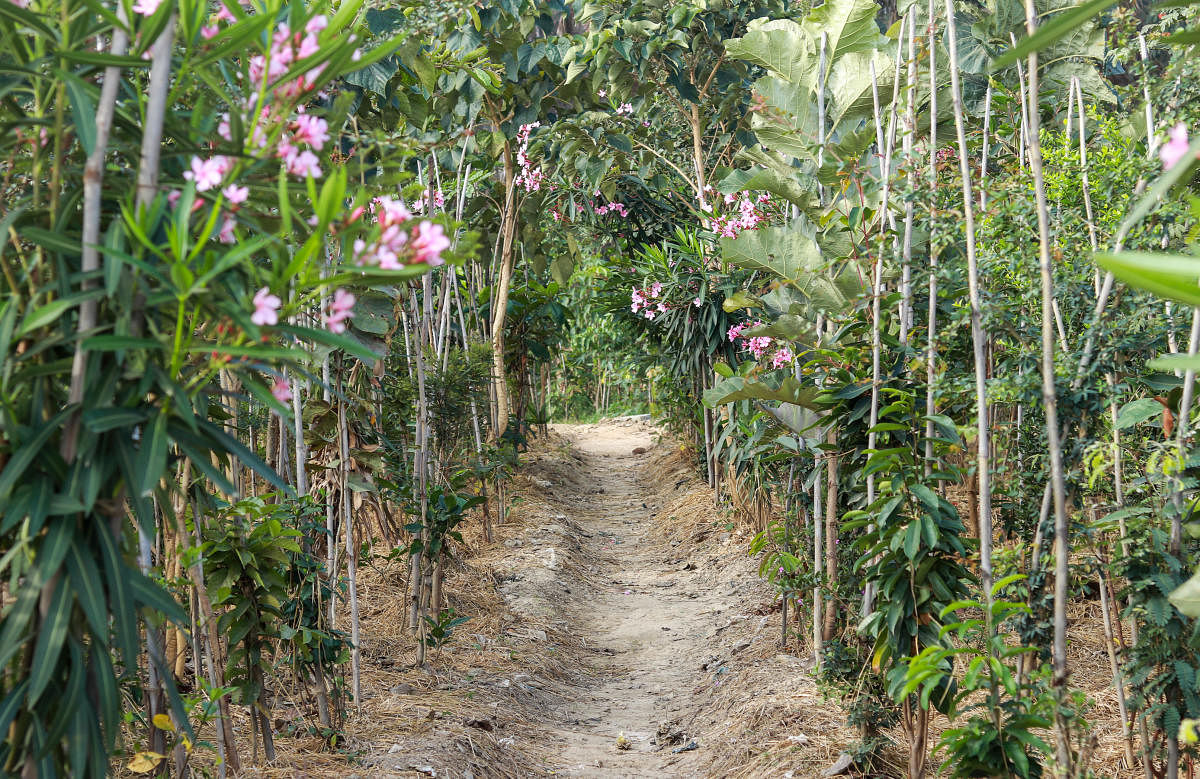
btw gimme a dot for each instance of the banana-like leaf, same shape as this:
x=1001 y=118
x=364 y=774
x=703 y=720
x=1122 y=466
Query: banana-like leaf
x=740 y=299
x=736 y=388
x=779 y=45
x=788 y=327
x=849 y=24
x=791 y=254
x=850 y=87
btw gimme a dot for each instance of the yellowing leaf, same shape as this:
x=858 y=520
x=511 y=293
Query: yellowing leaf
x=163 y=722
x=144 y=762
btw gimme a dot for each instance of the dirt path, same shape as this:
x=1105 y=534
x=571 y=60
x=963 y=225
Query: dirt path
x=645 y=616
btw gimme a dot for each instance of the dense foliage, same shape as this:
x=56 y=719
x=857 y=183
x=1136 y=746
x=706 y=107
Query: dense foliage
x=287 y=283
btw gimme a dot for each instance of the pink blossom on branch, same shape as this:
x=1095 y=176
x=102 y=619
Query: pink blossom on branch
x=282 y=390
x=1176 y=148
x=235 y=194
x=303 y=164
x=428 y=242
x=226 y=234
x=341 y=308
x=266 y=308
x=312 y=130
x=208 y=173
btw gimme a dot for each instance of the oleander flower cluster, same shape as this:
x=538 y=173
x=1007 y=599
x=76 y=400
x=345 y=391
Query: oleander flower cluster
x=648 y=301
x=759 y=345
x=402 y=240
x=743 y=211
x=529 y=177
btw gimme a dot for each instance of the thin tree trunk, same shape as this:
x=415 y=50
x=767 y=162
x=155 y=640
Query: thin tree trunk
x=931 y=336
x=978 y=337
x=351 y=553
x=910 y=129
x=500 y=299
x=1064 y=764
x=831 y=534
x=1118 y=680
x=818 y=536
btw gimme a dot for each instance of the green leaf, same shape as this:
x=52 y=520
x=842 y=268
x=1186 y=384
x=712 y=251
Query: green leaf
x=1062 y=24
x=99 y=420
x=1186 y=597
x=739 y=388
x=152 y=456
x=1172 y=276
x=740 y=299
x=1137 y=411
x=115 y=343
x=31 y=448
x=51 y=635
x=83 y=110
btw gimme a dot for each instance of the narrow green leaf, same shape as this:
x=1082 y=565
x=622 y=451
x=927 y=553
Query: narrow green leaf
x=51 y=635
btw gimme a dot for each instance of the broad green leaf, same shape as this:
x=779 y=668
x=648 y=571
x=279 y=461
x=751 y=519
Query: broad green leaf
x=1047 y=33
x=1186 y=597
x=1172 y=276
x=738 y=388
x=780 y=46
x=1137 y=411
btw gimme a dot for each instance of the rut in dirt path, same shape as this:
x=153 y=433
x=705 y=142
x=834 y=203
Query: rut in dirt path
x=647 y=618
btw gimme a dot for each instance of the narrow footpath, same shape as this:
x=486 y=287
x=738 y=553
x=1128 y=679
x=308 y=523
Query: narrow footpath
x=647 y=619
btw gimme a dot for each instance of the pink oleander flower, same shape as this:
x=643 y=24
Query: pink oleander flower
x=625 y=108
x=226 y=234
x=312 y=130
x=224 y=14
x=341 y=308
x=21 y=3
x=1175 y=148
x=655 y=289
x=316 y=24
x=303 y=164
x=146 y=7
x=696 y=302
x=266 y=308
x=428 y=242
x=392 y=211
x=235 y=194
x=207 y=173
x=282 y=390
x=308 y=46
x=209 y=31
x=602 y=93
